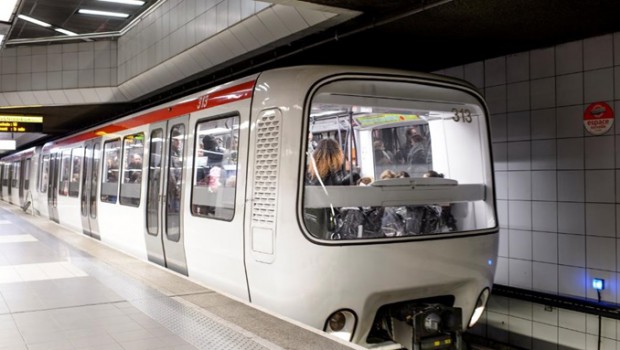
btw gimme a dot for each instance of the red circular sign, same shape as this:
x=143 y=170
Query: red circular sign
x=598 y=118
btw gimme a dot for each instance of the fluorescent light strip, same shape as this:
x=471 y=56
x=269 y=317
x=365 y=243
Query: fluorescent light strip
x=127 y=2
x=64 y=31
x=103 y=13
x=1 y=39
x=6 y=9
x=35 y=21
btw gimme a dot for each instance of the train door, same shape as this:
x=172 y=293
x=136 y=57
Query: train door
x=164 y=198
x=52 y=187
x=88 y=196
x=24 y=181
x=1 y=181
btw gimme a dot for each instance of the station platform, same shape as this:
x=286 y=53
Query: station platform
x=63 y=290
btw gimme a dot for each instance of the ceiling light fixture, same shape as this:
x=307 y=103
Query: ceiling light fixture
x=6 y=9
x=35 y=21
x=103 y=13
x=127 y=2
x=64 y=31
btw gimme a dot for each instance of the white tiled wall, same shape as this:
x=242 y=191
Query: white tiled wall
x=58 y=66
x=558 y=189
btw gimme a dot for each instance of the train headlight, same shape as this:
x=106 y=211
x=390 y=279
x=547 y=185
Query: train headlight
x=341 y=324
x=480 y=305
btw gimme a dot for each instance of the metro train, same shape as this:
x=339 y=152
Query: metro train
x=215 y=186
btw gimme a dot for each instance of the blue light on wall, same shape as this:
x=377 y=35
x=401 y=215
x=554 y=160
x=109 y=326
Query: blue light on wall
x=598 y=283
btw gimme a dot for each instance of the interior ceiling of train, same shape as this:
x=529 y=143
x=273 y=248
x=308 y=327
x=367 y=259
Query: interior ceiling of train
x=423 y=35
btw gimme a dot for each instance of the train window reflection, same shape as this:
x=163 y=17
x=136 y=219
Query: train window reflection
x=395 y=162
x=215 y=171
x=45 y=170
x=133 y=153
x=110 y=171
x=76 y=166
x=65 y=173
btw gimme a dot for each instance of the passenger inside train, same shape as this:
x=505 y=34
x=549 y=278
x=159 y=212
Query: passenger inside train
x=394 y=156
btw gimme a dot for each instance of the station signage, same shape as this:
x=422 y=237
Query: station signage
x=21 y=123
x=598 y=118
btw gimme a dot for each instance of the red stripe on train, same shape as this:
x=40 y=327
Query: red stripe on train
x=218 y=98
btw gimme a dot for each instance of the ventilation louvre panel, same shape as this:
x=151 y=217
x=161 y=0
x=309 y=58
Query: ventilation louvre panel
x=266 y=170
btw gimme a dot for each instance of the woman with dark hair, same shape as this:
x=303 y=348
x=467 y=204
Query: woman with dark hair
x=326 y=163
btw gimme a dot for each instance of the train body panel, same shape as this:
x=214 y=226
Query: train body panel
x=224 y=187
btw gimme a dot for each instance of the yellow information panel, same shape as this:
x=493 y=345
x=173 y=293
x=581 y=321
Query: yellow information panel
x=21 y=123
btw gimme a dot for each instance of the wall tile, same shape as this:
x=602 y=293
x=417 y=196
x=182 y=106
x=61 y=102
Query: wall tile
x=542 y=93
x=598 y=52
x=39 y=63
x=518 y=67
x=571 y=187
x=518 y=126
x=543 y=155
x=502 y=212
x=503 y=242
x=570 y=153
x=520 y=215
x=569 y=57
x=545 y=247
x=501 y=184
x=9 y=82
x=520 y=273
x=518 y=96
x=498 y=127
x=496 y=99
x=542 y=63
x=520 y=244
x=543 y=124
x=545 y=216
x=495 y=71
x=598 y=152
x=569 y=89
x=519 y=156
x=544 y=185
x=54 y=80
x=9 y=65
x=70 y=79
x=572 y=320
x=571 y=281
x=570 y=121
x=601 y=219
x=519 y=185
x=571 y=218
x=24 y=82
x=598 y=85
x=24 y=64
x=600 y=186
x=601 y=253
x=571 y=250
x=39 y=81
x=545 y=277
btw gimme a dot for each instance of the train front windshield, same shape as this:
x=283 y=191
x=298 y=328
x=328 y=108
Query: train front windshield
x=390 y=159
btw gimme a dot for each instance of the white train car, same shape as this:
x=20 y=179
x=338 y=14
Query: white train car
x=227 y=187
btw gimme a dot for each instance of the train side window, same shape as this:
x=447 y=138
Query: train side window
x=215 y=168
x=76 y=167
x=109 y=179
x=44 y=173
x=65 y=173
x=131 y=182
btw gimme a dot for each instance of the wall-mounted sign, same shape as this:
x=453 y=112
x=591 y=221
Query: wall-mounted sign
x=21 y=123
x=598 y=118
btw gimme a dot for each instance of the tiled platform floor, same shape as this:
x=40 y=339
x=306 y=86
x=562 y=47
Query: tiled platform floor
x=63 y=290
